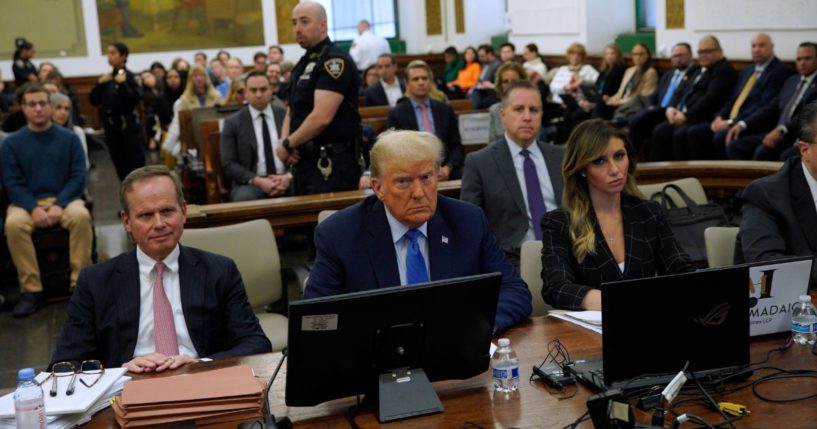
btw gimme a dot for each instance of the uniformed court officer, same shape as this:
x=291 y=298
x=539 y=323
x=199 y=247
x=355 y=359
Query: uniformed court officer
x=321 y=127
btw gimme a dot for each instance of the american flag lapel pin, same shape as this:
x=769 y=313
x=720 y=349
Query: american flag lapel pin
x=444 y=239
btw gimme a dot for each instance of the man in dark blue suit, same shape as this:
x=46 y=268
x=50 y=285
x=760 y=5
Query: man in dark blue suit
x=775 y=127
x=389 y=89
x=757 y=87
x=161 y=305
x=407 y=234
x=418 y=112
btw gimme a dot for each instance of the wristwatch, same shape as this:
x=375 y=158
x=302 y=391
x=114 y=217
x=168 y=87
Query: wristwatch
x=285 y=144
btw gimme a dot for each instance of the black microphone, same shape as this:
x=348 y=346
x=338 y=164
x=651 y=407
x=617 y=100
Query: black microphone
x=269 y=421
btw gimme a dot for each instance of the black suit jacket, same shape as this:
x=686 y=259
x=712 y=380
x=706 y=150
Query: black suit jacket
x=763 y=91
x=779 y=218
x=704 y=93
x=375 y=95
x=239 y=145
x=103 y=315
x=489 y=180
x=769 y=115
x=446 y=127
x=651 y=249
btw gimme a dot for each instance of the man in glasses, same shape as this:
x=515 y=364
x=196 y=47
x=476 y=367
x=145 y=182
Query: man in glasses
x=160 y=305
x=43 y=169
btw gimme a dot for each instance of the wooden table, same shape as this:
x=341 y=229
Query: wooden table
x=473 y=400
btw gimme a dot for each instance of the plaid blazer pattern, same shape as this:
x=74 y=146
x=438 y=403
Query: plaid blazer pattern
x=649 y=246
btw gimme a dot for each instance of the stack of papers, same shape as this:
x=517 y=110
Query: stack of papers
x=65 y=411
x=219 y=396
x=586 y=319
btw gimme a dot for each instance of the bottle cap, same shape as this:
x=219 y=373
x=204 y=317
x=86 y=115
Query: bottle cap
x=804 y=298
x=25 y=374
x=504 y=342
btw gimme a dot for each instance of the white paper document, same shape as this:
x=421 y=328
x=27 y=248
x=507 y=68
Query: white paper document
x=586 y=319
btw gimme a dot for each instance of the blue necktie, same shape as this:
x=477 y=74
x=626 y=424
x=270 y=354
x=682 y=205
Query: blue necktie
x=415 y=264
x=536 y=203
x=671 y=90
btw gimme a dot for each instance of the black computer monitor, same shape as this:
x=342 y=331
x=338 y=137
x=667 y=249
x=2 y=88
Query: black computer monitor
x=384 y=342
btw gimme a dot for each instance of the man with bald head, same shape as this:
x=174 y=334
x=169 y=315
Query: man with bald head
x=406 y=233
x=322 y=126
x=757 y=87
x=698 y=100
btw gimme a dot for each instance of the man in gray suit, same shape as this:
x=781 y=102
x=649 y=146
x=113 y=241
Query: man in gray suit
x=248 y=141
x=517 y=178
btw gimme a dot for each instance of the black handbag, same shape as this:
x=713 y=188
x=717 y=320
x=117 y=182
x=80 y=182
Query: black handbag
x=688 y=223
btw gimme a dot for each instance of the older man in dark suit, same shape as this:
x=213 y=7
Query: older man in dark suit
x=775 y=127
x=779 y=214
x=407 y=234
x=418 y=112
x=517 y=178
x=390 y=89
x=699 y=99
x=248 y=141
x=160 y=305
x=757 y=87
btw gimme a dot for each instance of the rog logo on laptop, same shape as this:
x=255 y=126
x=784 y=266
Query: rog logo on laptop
x=715 y=317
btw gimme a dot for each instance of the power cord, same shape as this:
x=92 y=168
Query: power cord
x=551 y=371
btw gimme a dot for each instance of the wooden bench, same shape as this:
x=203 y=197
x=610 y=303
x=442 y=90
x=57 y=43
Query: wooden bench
x=719 y=178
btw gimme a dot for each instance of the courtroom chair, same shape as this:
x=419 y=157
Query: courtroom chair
x=720 y=245
x=690 y=185
x=530 y=269
x=216 y=185
x=259 y=265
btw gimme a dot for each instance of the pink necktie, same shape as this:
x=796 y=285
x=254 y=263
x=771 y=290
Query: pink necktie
x=426 y=121
x=164 y=328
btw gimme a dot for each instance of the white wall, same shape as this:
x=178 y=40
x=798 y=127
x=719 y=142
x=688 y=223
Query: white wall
x=734 y=22
x=483 y=19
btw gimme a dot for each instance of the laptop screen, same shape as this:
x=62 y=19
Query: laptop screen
x=655 y=325
x=773 y=290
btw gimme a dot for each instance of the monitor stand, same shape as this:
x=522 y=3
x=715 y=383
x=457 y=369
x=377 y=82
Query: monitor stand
x=405 y=393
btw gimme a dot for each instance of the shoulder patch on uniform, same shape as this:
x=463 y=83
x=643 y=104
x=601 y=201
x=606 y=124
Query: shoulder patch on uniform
x=335 y=67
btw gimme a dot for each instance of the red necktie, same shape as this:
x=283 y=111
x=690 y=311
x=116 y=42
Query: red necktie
x=164 y=328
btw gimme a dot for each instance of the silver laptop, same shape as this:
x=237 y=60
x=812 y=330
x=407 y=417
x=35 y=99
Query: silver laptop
x=773 y=290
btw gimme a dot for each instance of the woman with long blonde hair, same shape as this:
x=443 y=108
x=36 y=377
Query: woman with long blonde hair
x=199 y=92
x=605 y=230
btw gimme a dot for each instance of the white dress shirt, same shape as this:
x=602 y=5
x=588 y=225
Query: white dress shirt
x=146 y=342
x=393 y=91
x=366 y=48
x=812 y=184
x=401 y=244
x=261 y=169
x=586 y=73
x=542 y=174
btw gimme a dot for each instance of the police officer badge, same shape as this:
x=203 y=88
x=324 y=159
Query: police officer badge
x=334 y=66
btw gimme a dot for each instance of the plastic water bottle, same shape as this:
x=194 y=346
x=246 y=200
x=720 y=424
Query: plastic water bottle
x=804 y=321
x=29 y=406
x=505 y=367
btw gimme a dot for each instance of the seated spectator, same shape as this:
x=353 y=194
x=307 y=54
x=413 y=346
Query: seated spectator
x=286 y=76
x=16 y=119
x=419 y=112
x=150 y=103
x=223 y=56
x=248 y=141
x=468 y=75
x=198 y=93
x=235 y=68
x=260 y=61
x=218 y=77
x=605 y=230
x=507 y=73
x=482 y=94
x=699 y=99
x=774 y=127
x=235 y=97
x=407 y=234
x=639 y=82
x=370 y=77
x=172 y=89
x=453 y=65
x=200 y=58
x=44 y=69
x=757 y=87
x=568 y=78
x=274 y=74
x=507 y=52
x=642 y=123
x=61 y=115
x=611 y=71
x=389 y=89
x=181 y=65
x=779 y=216
x=43 y=171
x=159 y=71
x=275 y=54
x=536 y=69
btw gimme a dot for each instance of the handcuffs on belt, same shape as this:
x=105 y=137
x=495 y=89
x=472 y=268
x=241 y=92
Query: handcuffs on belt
x=324 y=163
